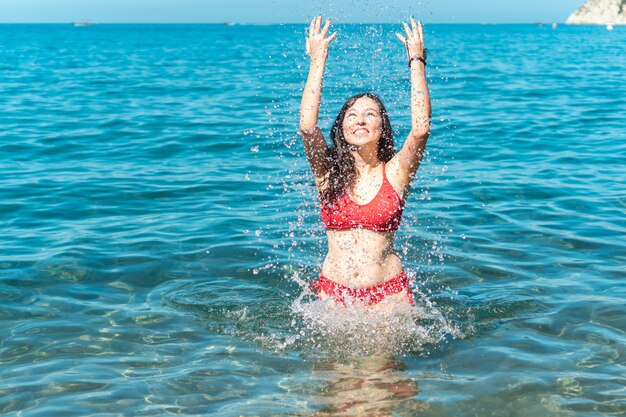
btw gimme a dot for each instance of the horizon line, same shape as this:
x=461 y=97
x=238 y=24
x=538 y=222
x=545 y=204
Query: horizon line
x=231 y=23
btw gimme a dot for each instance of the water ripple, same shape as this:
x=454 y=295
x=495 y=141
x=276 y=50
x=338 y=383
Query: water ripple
x=160 y=220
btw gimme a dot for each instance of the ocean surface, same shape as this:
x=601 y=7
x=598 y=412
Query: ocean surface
x=160 y=225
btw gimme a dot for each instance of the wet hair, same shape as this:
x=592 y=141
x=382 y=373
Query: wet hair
x=343 y=173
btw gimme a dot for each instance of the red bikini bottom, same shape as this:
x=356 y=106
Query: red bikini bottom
x=369 y=295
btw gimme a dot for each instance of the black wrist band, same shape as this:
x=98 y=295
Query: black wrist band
x=418 y=58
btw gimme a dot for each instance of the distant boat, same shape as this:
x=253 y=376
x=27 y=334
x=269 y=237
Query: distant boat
x=83 y=23
x=609 y=27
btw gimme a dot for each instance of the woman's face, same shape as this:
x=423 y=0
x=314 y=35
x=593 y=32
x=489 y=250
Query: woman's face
x=362 y=123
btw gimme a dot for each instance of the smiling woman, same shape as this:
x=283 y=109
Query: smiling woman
x=362 y=122
x=362 y=182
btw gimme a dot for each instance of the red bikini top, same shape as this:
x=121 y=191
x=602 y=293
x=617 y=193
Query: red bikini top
x=382 y=214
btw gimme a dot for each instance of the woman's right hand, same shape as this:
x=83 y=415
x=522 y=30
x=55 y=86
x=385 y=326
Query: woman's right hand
x=414 y=41
x=317 y=41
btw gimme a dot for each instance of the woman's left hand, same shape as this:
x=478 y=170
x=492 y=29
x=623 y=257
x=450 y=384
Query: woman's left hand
x=414 y=41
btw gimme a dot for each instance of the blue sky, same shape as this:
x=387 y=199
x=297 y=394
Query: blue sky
x=285 y=11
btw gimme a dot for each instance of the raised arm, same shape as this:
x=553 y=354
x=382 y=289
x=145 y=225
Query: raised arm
x=315 y=146
x=411 y=154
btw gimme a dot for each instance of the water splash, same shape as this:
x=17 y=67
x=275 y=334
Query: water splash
x=421 y=242
x=354 y=329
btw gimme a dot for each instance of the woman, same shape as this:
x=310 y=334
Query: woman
x=362 y=182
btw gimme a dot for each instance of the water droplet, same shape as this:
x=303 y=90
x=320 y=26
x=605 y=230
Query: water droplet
x=254 y=149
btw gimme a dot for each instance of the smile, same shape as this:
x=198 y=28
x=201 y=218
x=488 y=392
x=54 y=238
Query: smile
x=361 y=131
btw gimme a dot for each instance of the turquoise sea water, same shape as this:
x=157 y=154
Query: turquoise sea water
x=159 y=224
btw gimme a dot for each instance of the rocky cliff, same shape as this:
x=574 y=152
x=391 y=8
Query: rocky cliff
x=599 y=12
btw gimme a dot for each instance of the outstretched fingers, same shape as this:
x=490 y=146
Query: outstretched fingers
x=414 y=33
x=325 y=29
x=325 y=36
x=318 y=24
x=413 y=38
x=417 y=29
x=408 y=31
x=405 y=42
x=317 y=39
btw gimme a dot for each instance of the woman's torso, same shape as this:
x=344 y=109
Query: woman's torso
x=360 y=257
x=360 y=236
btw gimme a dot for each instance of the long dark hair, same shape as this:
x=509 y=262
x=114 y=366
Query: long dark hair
x=343 y=173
